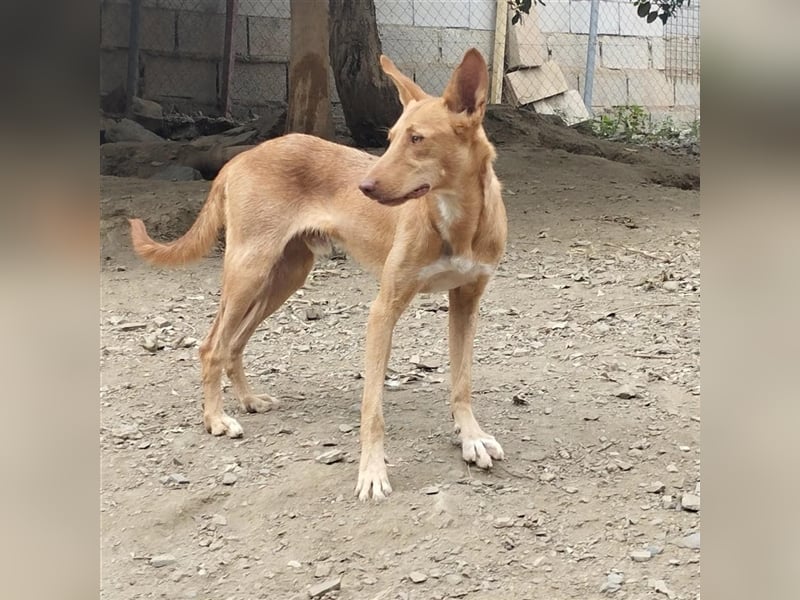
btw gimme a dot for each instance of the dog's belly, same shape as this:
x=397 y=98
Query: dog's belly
x=452 y=272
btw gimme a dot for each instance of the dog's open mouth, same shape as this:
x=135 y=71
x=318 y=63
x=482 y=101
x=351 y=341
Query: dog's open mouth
x=415 y=193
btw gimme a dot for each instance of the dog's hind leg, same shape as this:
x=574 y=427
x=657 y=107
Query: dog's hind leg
x=287 y=274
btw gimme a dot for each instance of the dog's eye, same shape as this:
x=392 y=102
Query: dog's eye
x=416 y=139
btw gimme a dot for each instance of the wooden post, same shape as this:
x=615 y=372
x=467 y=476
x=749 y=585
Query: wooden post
x=132 y=83
x=228 y=58
x=499 y=53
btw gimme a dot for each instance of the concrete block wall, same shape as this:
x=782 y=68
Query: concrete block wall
x=426 y=38
x=631 y=58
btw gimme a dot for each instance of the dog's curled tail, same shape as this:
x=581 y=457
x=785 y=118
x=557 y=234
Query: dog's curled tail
x=194 y=244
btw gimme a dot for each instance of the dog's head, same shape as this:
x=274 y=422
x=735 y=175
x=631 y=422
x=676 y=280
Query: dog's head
x=434 y=139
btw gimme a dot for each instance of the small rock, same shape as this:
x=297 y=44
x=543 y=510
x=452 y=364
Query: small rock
x=323 y=588
x=161 y=322
x=430 y=490
x=668 y=502
x=690 y=502
x=312 y=313
x=524 y=276
x=660 y=586
x=127 y=130
x=127 y=432
x=591 y=416
x=613 y=583
x=151 y=343
x=624 y=465
x=671 y=286
x=453 y=579
x=691 y=541
x=330 y=457
x=417 y=576
x=640 y=556
x=570 y=489
x=626 y=392
x=547 y=477
x=322 y=570
x=654 y=550
x=655 y=488
x=219 y=520
x=345 y=428
x=131 y=326
x=229 y=478
x=501 y=522
x=671 y=468
x=178 y=478
x=162 y=560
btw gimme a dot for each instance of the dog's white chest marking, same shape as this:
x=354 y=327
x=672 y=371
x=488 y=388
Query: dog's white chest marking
x=450 y=272
x=448 y=210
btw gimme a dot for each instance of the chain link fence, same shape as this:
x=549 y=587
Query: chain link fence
x=543 y=57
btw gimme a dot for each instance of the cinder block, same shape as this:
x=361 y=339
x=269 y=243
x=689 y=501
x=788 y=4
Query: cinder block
x=530 y=85
x=525 y=43
x=394 y=12
x=568 y=49
x=432 y=78
x=169 y=77
x=201 y=33
x=270 y=38
x=113 y=69
x=569 y=106
x=114 y=25
x=277 y=9
x=574 y=77
x=457 y=41
x=608 y=17
x=416 y=45
x=609 y=88
x=204 y=6
x=649 y=88
x=157 y=30
x=482 y=14
x=257 y=83
x=658 y=53
x=687 y=93
x=553 y=17
x=436 y=13
x=624 y=52
x=630 y=23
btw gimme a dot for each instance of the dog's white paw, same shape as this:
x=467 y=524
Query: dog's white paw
x=224 y=425
x=259 y=403
x=373 y=482
x=480 y=449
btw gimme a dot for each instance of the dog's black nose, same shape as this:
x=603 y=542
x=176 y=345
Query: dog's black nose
x=368 y=187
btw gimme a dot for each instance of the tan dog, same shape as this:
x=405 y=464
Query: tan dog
x=428 y=218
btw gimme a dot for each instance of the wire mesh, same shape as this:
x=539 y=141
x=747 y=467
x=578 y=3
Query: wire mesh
x=649 y=65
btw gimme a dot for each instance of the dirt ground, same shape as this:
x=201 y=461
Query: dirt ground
x=586 y=371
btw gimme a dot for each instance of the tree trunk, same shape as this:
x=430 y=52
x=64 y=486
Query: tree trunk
x=369 y=99
x=309 y=65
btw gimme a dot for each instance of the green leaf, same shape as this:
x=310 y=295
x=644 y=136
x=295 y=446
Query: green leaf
x=515 y=19
x=643 y=9
x=652 y=16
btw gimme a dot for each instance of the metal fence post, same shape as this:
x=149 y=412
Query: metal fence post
x=228 y=58
x=590 y=55
x=132 y=84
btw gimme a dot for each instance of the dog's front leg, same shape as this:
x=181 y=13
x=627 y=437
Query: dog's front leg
x=383 y=315
x=476 y=446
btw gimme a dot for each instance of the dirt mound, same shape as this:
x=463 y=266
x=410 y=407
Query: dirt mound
x=505 y=125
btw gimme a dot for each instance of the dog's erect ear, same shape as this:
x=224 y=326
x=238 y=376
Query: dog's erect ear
x=469 y=86
x=406 y=87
